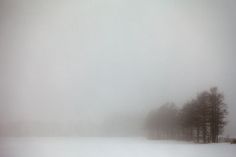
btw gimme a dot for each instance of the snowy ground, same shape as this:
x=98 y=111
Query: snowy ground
x=110 y=147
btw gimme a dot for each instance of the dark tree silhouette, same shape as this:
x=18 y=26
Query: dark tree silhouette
x=162 y=123
x=218 y=111
x=200 y=120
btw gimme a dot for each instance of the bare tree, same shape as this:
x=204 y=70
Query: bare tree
x=218 y=110
x=200 y=120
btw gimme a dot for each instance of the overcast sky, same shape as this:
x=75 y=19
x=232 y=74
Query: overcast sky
x=69 y=61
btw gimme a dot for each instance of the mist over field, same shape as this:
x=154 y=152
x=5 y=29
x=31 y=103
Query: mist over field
x=117 y=78
x=94 y=67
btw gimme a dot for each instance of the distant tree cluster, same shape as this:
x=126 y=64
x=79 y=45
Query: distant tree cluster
x=200 y=120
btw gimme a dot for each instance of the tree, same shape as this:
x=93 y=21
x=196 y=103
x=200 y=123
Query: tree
x=218 y=112
x=200 y=120
x=188 y=120
x=162 y=123
x=203 y=115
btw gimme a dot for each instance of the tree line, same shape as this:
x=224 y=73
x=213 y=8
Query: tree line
x=201 y=120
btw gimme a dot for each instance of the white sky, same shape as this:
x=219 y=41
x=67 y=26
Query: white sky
x=81 y=60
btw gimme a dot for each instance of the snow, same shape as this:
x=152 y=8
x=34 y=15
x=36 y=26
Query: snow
x=110 y=147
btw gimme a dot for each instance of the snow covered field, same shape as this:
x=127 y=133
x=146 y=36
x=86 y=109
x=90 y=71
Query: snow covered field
x=110 y=147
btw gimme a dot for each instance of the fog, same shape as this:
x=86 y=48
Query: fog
x=82 y=62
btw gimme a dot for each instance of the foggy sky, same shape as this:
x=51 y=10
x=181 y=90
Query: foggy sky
x=69 y=61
